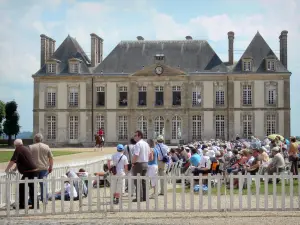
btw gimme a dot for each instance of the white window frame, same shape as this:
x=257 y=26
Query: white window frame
x=51 y=68
x=74 y=67
x=220 y=97
x=123 y=128
x=196 y=97
x=73 y=96
x=271 y=95
x=247 y=65
x=220 y=126
x=271 y=124
x=271 y=65
x=197 y=127
x=247 y=94
x=142 y=89
x=142 y=125
x=100 y=89
x=73 y=127
x=51 y=97
x=100 y=122
x=160 y=89
x=51 y=128
x=176 y=123
x=159 y=126
x=247 y=122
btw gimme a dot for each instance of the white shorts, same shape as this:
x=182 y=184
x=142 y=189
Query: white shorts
x=118 y=184
x=152 y=173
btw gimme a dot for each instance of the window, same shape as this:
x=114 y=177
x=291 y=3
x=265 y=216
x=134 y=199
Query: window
x=123 y=97
x=159 y=57
x=271 y=124
x=247 y=126
x=51 y=97
x=99 y=122
x=73 y=97
x=271 y=65
x=271 y=94
x=142 y=96
x=220 y=98
x=123 y=132
x=220 y=127
x=176 y=95
x=196 y=97
x=142 y=125
x=100 y=96
x=159 y=96
x=159 y=126
x=74 y=125
x=51 y=68
x=196 y=127
x=51 y=125
x=247 y=94
x=74 y=67
x=247 y=65
x=176 y=128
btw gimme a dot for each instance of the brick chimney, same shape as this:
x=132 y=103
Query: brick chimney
x=96 y=50
x=47 y=48
x=283 y=47
x=230 y=47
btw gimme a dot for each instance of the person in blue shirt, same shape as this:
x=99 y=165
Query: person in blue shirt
x=195 y=159
x=153 y=166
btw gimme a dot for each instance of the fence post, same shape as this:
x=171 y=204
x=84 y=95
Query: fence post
x=8 y=203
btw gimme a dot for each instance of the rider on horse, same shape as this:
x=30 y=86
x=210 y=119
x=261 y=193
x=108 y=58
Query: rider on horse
x=101 y=133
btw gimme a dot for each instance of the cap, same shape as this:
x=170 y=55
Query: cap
x=120 y=147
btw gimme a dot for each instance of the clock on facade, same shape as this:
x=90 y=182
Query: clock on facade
x=159 y=70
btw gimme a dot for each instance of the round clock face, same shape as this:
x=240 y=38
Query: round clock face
x=159 y=70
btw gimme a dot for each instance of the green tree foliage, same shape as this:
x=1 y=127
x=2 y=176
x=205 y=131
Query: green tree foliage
x=2 y=115
x=11 y=123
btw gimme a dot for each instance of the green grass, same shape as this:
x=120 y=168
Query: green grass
x=214 y=190
x=5 y=156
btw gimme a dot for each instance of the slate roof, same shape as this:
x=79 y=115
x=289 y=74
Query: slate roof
x=258 y=50
x=167 y=71
x=69 y=49
x=188 y=55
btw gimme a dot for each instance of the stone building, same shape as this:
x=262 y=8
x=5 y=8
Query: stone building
x=180 y=89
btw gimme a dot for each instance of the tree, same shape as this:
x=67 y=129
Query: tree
x=2 y=115
x=11 y=123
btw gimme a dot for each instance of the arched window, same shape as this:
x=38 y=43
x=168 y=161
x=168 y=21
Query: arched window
x=99 y=123
x=196 y=127
x=142 y=125
x=159 y=126
x=176 y=128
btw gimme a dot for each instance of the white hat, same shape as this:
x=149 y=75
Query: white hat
x=275 y=149
x=160 y=138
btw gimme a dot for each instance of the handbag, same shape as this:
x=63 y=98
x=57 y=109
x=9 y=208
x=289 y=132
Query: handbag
x=129 y=155
x=113 y=170
x=165 y=159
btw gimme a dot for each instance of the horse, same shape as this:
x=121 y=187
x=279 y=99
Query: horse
x=99 y=141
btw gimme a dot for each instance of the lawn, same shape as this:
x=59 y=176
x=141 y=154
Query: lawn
x=5 y=156
x=214 y=190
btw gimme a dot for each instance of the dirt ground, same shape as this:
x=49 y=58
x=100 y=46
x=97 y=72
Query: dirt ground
x=85 y=155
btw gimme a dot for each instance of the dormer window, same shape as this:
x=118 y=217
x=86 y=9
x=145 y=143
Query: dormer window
x=51 y=68
x=74 y=65
x=271 y=64
x=159 y=57
x=247 y=64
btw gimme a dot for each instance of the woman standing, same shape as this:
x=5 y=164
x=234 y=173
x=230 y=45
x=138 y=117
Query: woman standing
x=293 y=156
x=153 y=166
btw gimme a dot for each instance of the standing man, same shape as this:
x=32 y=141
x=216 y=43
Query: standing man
x=26 y=166
x=43 y=157
x=162 y=160
x=140 y=159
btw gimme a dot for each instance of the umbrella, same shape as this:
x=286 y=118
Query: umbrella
x=273 y=136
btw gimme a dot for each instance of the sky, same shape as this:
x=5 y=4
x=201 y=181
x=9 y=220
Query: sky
x=22 y=22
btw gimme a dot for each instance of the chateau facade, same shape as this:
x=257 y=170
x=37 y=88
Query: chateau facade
x=180 y=89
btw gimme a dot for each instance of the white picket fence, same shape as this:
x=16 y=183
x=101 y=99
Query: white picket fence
x=253 y=193
x=90 y=166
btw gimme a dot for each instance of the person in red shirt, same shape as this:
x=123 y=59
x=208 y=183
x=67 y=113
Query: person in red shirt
x=100 y=132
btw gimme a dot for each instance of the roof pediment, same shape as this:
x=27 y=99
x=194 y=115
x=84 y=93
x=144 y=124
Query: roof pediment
x=166 y=71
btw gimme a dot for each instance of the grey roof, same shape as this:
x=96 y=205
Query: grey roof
x=259 y=50
x=188 y=55
x=69 y=49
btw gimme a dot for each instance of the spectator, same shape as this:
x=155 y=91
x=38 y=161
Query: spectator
x=195 y=159
x=67 y=192
x=174 y=156
x=153 y=167
x=277 y=164
x=140 y=159
x=162 y=153
x=43 y=157
x=27 y=167
x=293 y=156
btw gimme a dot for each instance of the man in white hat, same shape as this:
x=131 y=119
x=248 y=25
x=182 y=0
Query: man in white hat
x=277 y=164
x=162 y=160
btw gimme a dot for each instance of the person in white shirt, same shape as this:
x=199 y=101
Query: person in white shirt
x=129 y=154
x=67 y=192
x=120 y=162
x=140 y=159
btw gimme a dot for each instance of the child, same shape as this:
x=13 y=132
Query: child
x=120 y=162
x=67 y=192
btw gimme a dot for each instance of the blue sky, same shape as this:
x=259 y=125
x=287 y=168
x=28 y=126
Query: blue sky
x=23 y=21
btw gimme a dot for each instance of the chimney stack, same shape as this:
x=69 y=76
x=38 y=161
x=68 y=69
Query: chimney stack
x=140 y=38
x=96 y=50
x=189 y=38
x=230 y=47
x=283 y=47
x=47 y=48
